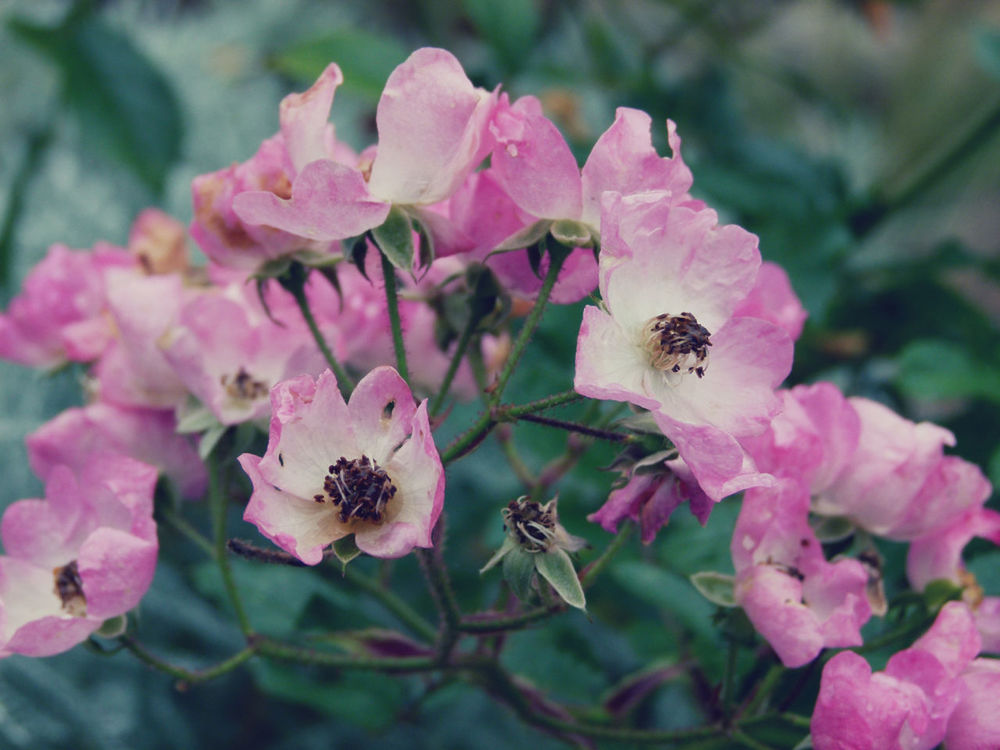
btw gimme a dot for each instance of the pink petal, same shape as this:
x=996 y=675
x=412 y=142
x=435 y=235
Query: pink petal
x=116 y=569
x=381 y=410
x=304 y=118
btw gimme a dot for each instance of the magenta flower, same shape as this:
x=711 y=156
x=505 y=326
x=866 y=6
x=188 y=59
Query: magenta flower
x=797 y=600
x=975 y=722
x=666 y=338
x=85 y=554
x=368 y=467
x=431 y=135
x=909 y=705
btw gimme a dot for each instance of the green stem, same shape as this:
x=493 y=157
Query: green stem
x=392 y=303
x=730 y=677
x=763 y=690
x=488 y=623
x=182 y=525
x=288 y=652
x=403 y=611
x=218 y=504
x=187 y=675
x=597 y=567
x=469 y=439
x=608 y=435
x=527 y=330
x=747 y=741
x=456 y=360
x=295 y=282
x=444 y=598
x=549 y=402
x=505 y=436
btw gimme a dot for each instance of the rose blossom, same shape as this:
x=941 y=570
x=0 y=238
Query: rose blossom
x=82 y=555
x=368 y=467
x=670 y=280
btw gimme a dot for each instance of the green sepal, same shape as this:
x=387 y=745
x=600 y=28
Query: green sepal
x=507 y=546
x=195 y=417
x=209 y=439
x=572 y=233
x=831 y=528
x=426 y=251
x=527 y=237
x=394 y=238
x=940 y=591
x=556 y=568
x=716 y=587
x=113 y=627
x=535 y=258
x=345 y=550
x=518 y=571
x=273 y=269
x=355 y=249
x=489 y=305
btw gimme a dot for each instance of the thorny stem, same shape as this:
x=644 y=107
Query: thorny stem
x=505 y=437
x=763 y=690
x=392 y=303
x=218 y=503
x=527 y=330
x=595 y=568
x=610 y=436
x=185 y=527
x=444 y=598
x=288 y=652
x=295 y=282
x=187 y=675
x=549 y=402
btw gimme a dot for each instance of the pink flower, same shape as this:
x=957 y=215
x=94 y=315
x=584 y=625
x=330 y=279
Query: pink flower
x=76 y=436
x=368 y=467
x=666 y=338
x=906 y=707
x=77 y=558
x=902 y=464
x=975 y=722
x=432 y=133
x=59 y=315
x=230 y=361
x=772 y=298
x=796 y=599
x=159 y=241
x=651 y=498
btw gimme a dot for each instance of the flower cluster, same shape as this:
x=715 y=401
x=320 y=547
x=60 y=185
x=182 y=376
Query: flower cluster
x=339 y=284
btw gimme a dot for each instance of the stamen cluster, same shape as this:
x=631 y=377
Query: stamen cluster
x=359 y=487
x=531 y=523
x=678 y=342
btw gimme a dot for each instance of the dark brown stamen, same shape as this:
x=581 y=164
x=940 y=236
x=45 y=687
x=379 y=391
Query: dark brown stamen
x=243 y=387
x=677 y=343
x=531 y=523
x=359 y=488
x=69 y=589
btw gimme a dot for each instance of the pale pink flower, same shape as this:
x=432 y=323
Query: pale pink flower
x=671 y=278
x=84 y=554
x=74 y=437
x=230 y=361
x=368 y=467
x=975 y=722
x=159 y=241
x=906 y=707
x=431 y=135
x=795 y=598
x=772 y=298
x=60 y=313
x=898 y=483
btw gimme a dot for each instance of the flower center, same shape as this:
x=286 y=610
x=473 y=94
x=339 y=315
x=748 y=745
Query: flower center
x=359 y=488
x=69 y=588
x=677 y=343
x=531 y=523
x=242 y=386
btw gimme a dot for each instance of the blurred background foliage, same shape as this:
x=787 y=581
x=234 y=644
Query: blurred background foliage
x=857 y=138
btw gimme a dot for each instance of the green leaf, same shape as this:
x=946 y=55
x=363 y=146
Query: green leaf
x=988 y=50
x=518 y=570
x=395 y=239
x=940 y=369
x=556 y=568
x=124 y=105
x=366 y=59
x=716 y=587
x=510 y=27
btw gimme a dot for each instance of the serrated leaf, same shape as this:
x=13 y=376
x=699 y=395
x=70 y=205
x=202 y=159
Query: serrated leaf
x=395 y=239
x=528 y=237
x=716 y=587
x=518 y=570
x=124 y=105
x=366 y=59
x=556 y=568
